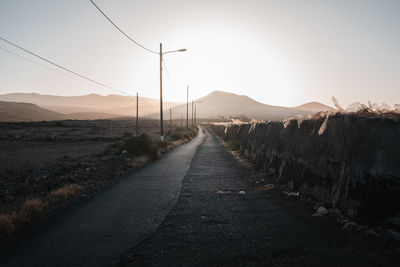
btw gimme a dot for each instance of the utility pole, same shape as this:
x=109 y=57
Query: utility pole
x=192 y=112
x=161 y=99
x=195 y=123
x=181 y=120
x=170 y=119
x=187 y=107
x=137 y=113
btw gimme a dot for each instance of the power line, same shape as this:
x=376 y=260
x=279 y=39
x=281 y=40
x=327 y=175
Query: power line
x=36 y=63
x=121 y=31
x=166 y=71
x=61 y=67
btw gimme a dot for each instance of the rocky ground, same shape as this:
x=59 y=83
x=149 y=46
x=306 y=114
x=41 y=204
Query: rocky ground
x=52 y=161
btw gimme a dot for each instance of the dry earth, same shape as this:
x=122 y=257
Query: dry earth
x=55 y=160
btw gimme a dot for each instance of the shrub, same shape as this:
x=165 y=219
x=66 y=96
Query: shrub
x=7 y=226
x=142 y=145
x=59 y=124
x=182 y=133
x=233 y=145
x=30 y=209
x=64 y=193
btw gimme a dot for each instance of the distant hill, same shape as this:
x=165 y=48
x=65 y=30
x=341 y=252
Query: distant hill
x=228 y=105
x=315 y=107
x=36 y=107
x=18 y=111
x=115 y=105
x=15 y=112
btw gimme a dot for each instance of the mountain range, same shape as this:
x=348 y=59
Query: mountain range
x=228 y=105
x=109 y=106
x=218 y=104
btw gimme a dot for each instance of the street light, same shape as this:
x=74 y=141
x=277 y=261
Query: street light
x=161 y=99
x=194 y=102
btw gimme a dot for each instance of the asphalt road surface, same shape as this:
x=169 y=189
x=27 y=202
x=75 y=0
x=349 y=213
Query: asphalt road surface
x=170 y=214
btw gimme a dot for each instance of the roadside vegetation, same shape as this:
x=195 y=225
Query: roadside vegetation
x=181 y=133
x=233 y=145
x=119 y=158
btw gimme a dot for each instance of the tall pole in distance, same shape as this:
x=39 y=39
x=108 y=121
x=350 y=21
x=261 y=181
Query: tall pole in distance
x=161 y=99
x=170 y=119
x=181 y=120
x=137 y=113
x=187 y=107
x=192 y=112
x=195 y=123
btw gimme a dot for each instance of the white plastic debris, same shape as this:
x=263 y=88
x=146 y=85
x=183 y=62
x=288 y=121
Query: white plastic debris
x=322 y=129
x=300 y=119
x=321 y=211
x=222 y=192
x=242 y=192
x=371 y=108
x=336 y=103
x=286 y=123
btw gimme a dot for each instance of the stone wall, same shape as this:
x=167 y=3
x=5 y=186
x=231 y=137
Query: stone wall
x=354 y=163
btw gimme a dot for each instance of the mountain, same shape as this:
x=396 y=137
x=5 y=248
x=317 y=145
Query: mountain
x=228 y=105
x=115 y=105
x=315 y=107
x=215 y=105
x=14 y=112
x=18 y=111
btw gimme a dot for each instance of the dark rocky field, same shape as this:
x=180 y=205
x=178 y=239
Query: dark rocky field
x=43 y=164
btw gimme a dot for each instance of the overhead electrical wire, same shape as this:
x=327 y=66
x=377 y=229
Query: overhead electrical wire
x=121 y=31
x=63 y=68
x=34 y=62
x=166 y=71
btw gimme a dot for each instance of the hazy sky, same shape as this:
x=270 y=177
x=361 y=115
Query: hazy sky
x=277 y=52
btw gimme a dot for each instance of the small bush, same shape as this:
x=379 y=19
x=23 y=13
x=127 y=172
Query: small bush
x=182 y=133
x=7 y=226
x=142 y=145
x=139 y=161
x=30 y=209
x=59 y=124
x=64 y=193
x=233 y=145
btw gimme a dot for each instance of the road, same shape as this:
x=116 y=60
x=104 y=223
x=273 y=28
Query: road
x=96 y=231
x=169 y=214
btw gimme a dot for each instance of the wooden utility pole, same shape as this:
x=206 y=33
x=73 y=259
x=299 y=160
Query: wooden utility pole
x=195 y=123
x=170 y=119
x=137 y=113
x=192 y=112
x=161 y=99
x=187 y=107
x=181 y=120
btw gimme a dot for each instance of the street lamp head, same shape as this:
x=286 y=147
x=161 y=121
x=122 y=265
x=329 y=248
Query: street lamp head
x=182 y=50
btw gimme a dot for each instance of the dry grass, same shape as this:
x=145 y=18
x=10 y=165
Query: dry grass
x=140 y=161
x=64 y=193
x=266 y=188
x=7 y=226
x=176 y=143
x=30 y=209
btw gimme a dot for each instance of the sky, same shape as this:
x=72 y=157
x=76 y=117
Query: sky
x=278 y=52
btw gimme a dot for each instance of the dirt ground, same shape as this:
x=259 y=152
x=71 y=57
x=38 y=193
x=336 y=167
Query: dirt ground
x=37 y=157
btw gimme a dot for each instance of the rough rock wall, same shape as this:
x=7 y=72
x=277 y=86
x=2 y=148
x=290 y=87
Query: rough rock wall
x=354 y=163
